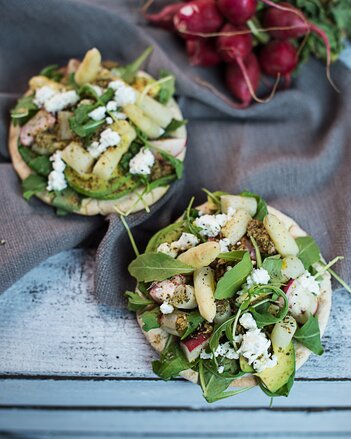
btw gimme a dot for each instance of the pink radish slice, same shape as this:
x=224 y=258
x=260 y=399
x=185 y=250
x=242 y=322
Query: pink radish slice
x=302 y=303
x=164 y=18
x=278 y=57
x=237 y=11
x=202 y=53
x=165 y=289
x=232 y=47
x=40 y=122
x=174 y=146
x=193 y=346
x=198 y=16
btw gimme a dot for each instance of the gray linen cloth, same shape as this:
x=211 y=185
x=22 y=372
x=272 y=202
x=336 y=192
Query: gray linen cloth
x=295 y=151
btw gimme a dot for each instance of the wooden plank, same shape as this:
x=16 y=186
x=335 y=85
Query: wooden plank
x=234 y=435
x=159 y=394
x=172 y=422
x=51 y=325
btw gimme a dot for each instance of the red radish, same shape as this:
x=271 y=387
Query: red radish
x=278 y=58
x=237 y=11
x=288 y=285
x=192 y=346
x=232 y=47
x=197 y=18
x=302 y=302
x=38 y=123
x=243 y=83
x=164 y=18
x=202 y=53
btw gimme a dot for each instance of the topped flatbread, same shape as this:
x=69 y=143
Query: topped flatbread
x=234 y=293
x=94 y=137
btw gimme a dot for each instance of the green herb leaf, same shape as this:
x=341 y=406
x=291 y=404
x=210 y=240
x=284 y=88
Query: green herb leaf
x=176 y=163
x=167 y=234
x=309 y=335
x=260 y=312
x=40 y=164
x=137 y=302
x=67 y=200
x=150 y=319
x=156 y=266
x=167 y=88
x=171 y=363
x=194 y=320
x=24 y=110
x=235 y=255
x=173 y=126
x=273 y=264
x=309 y=252
x=219 y=331
x=32 y=185
x=128 y=72
x=52 y=72
x=262 y=209
x=234 y=278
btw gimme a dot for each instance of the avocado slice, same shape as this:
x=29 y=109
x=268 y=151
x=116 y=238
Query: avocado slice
x=276 y=377
x=244 y=365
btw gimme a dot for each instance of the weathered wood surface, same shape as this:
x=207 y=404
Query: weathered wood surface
x=52 y=325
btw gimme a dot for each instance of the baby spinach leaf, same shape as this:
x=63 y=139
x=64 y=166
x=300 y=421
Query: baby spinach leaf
x=156 y=266
x=235 y=255
x=128 y=72
x=52 y=72
x=32 y=185
x=309 y=335
x=167 y=88
x=150 y=319
x=262 y=210
x=194 y=319
x=309 y=252
x=136 y=302
x=234 y=278
x=24 y=110
x=273 y=264
x=172 y=361
x=167 y=234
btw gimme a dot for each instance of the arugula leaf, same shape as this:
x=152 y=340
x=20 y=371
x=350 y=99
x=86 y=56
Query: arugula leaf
x=214 y=198
x=235 y=255
x=260 y=311
x=173 y=126
x=273 y=264
x=150 y=319
x=81 y=123
x=309 y=252
x=176 y=163
x=262 y=209
x=156 y=266
x=189 y=219
x=234 y=278
x=32 y=185
x=24 y=110
x=219 y=331
x=128 y=72
x=136 y=302
x=167 y=88
x=194 y=319
x=172 y=361
x=167 y=234
x=67 y=200
x=52 y=72
x=107 y=96
x=39 y=163
x=309 y=335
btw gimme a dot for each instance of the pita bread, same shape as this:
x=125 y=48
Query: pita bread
x=158 y=337
x=129 y=203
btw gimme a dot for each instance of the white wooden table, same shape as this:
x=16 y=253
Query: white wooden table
x=72 y=368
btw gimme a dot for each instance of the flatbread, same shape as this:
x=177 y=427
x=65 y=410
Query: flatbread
x=158 y=337
x=92 y=206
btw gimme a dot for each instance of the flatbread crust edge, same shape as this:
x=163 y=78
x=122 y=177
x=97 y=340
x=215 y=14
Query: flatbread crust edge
x=93 y=206
x=157 y=337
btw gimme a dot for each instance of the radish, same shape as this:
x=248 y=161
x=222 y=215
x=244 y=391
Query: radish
x=193 y=346
x=164 y=18
x=197 y=18
x=302 y=302
x=234 y=47
x=237 y=11
x=243 y=86
x=202 y=53
x=278 y=58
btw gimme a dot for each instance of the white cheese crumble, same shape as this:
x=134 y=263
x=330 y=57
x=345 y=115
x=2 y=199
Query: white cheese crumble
x=258 y=276
x=118 y=115
x=211 y=224
x=226 y=350
x=166 y=308
x=255 y=345
x=186 y=241
x=43 y=94
x=206 y=356
x=107 y=138
x=224 y=244
x=109 y=120
x=98 y=90
x=220 y=369
x=124 y=94
x=142 y=162
x=98 y=113
x=307 y=282
x=59 y=101
x=111 y=106
x=56 y=178
x=167 y=250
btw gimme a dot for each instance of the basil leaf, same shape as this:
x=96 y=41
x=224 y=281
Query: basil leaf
x=150 y=319
x=32 y=185
x=167 y=88
x=234 y=278
x=194 y=319
x=24 y=110
x=309 y=335
x=136 y=302
x=156 y=266
x=235 y=255
x=273 y=264
x=309 y=252
x=262 y=209
x=128 y=72
x=52 y=72
x=171 y=362
x=167 y=234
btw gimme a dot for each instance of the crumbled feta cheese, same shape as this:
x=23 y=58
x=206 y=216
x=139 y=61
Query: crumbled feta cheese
x=258 y=276
x=224 y=244
x=308 y=283
x=206 y=356
x=43 y=94
x=167 y=249
x=142 y=162
x=186 y=241
x=220 y=369
x=166 y=308
x=211 y=224
x=227 y=351
x=98 y=113
x=115 y=85
x=59 y=101
x=247 y=321
x=107 y=138
x=118 y=115
x=124 y=94
x=98 y=90
x=56 y=178
x=111 y=106
x=109 y=120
